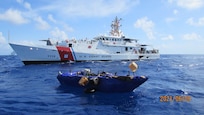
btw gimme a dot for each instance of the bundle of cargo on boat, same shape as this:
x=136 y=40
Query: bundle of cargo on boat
x=103 y=81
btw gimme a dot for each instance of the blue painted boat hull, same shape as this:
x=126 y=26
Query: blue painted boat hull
x=105 y=84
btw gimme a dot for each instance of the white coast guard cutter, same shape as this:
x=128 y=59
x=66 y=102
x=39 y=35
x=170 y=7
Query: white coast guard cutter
x=101 y=48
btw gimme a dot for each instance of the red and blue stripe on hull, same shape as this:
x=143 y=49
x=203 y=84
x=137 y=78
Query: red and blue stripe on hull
x=66 y=54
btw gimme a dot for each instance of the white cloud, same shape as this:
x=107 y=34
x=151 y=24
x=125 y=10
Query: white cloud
x=19 y=1
x=68 y=28
x=192 y=22
x=25 y=4
x=42 y=24
x=89 y=7
x=170 y=19
x=168 y=37
x=13 y=16
x=146 y=25
x=192 y=36
x=34 y=16
x=31 y=14
x=58 y=34
x=65 y=26
x=5 y=49
x=175 y=11
x=2 y=39
x=188 y=4
x=50 y=17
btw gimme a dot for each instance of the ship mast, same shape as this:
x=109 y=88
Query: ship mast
x=115 y=27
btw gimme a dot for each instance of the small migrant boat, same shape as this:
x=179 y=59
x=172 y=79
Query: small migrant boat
x=104 y=81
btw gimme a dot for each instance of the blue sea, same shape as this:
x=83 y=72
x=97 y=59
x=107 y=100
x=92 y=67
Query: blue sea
x=175 y=87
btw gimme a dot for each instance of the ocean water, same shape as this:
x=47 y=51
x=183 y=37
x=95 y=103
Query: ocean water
x=175 y=86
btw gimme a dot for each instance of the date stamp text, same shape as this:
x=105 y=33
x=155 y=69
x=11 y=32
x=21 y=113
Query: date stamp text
x=177 y=98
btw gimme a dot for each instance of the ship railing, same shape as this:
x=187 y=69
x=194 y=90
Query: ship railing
x=154 y=51
x=80 y=41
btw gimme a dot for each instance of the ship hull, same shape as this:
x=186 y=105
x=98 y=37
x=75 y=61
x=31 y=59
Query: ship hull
x=49 y=54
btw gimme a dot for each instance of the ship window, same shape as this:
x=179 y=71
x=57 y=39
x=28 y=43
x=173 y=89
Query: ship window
x=127 y=40
x=70 y=45
x=103 y=39
x=117 y=52
x=130 y=48
x=106 y=38
x=126 y=48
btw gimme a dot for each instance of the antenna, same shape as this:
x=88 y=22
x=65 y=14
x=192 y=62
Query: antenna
x=8 y=35
x=115 y=27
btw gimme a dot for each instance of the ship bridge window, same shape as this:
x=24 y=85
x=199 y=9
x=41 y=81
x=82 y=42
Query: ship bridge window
x=126 y=48
x=127 y=40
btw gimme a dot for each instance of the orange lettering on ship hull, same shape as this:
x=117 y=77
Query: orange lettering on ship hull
x=65 y=53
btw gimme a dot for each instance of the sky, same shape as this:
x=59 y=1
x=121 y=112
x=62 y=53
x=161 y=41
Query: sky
x=172 y=26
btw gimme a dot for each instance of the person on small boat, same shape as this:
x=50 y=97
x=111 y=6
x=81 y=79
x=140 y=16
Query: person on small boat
x=89 y=83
